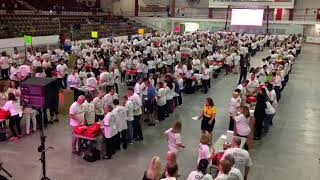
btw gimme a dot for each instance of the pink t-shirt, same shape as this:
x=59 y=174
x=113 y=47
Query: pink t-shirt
x=173 y=140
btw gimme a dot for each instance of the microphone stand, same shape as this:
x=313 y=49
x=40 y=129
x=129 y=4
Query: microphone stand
x=42 y=148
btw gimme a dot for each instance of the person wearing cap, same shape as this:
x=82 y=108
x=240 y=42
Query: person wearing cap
x=201 y=172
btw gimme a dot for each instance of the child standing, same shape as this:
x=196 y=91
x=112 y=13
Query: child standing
x=173 y=137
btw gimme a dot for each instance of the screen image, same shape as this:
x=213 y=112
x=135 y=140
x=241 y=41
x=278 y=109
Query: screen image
x=247 y=17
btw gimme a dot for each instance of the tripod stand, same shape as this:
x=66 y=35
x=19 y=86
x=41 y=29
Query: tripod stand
x=5 y=171
x=42 y=147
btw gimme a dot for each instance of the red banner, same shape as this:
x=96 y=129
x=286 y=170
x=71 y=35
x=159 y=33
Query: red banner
x=278 y=14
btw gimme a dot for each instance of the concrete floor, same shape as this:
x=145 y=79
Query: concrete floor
x=290 y=151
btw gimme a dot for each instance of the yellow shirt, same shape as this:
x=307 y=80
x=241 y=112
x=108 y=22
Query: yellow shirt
x=209 y=111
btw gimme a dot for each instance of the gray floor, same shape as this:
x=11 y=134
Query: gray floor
x=290 y=151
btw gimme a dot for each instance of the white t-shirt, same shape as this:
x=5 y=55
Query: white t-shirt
x=137 y=88
x=74 y=80
x=135 y=98
x=98 y=105
x=13 y=73
x=91 y=83
x=235 y=174
x=234 y=105
x=206 y=74
x=222 y=177
x=242 y=125
x=61 y=70
x=151 y=64
x=197 y=175
x=77 y=110
x=241 y=156
x=129 y=110
x=89 y=113
x=4 y=62
x=173 y=140
x=109 y=123
x=161 y=97
x=108 y=98
x=252 y=85
x=120 y=114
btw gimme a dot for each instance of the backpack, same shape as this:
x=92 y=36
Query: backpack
x=93 y=156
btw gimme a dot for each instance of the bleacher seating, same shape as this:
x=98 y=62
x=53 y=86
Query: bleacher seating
x=12 y=25
x=11 y=5
x=59 y=5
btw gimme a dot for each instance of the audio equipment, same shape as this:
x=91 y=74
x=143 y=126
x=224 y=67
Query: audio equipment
x=40 y=92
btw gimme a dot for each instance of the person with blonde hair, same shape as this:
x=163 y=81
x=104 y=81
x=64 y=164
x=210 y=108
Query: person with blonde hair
x=154 y=169
x=205 y=150
x=173 y=137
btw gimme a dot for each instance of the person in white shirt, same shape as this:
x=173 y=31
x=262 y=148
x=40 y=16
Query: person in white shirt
x=276 y=80
x=104 y=79
x=110 y=131
x=98 y=106
x=151 y=66
x=137 y=111
x=161 y=101
x=242 y=158
x=89 y=110
x=262 y=74
x=242 y=123
x=121 y=123
x=116 y=77
x=4 y=64
x=206 y=78
x=196 y=64
x=14 y=72
x=137 y=87
x=76 y=115
x=15 y=116
x=224 y=169
x=173 y=137
x=110 y=97
x=61 y=70
x=272 y=96
x=233 y=107
x=234 y=173
x=74 y=82
x=253 y=84
x=201 y=173
x=236 y=62
x=128 y=104
x=91 y=83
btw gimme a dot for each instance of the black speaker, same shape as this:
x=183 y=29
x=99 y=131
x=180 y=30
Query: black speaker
x=40 y=93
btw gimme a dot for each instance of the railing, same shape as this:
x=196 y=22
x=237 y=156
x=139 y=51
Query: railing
x=146 y=23
x=301 y=15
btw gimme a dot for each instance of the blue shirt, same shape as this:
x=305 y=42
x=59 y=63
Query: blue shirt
x=151 y=92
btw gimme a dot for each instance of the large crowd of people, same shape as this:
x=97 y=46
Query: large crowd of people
x=158 y=68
